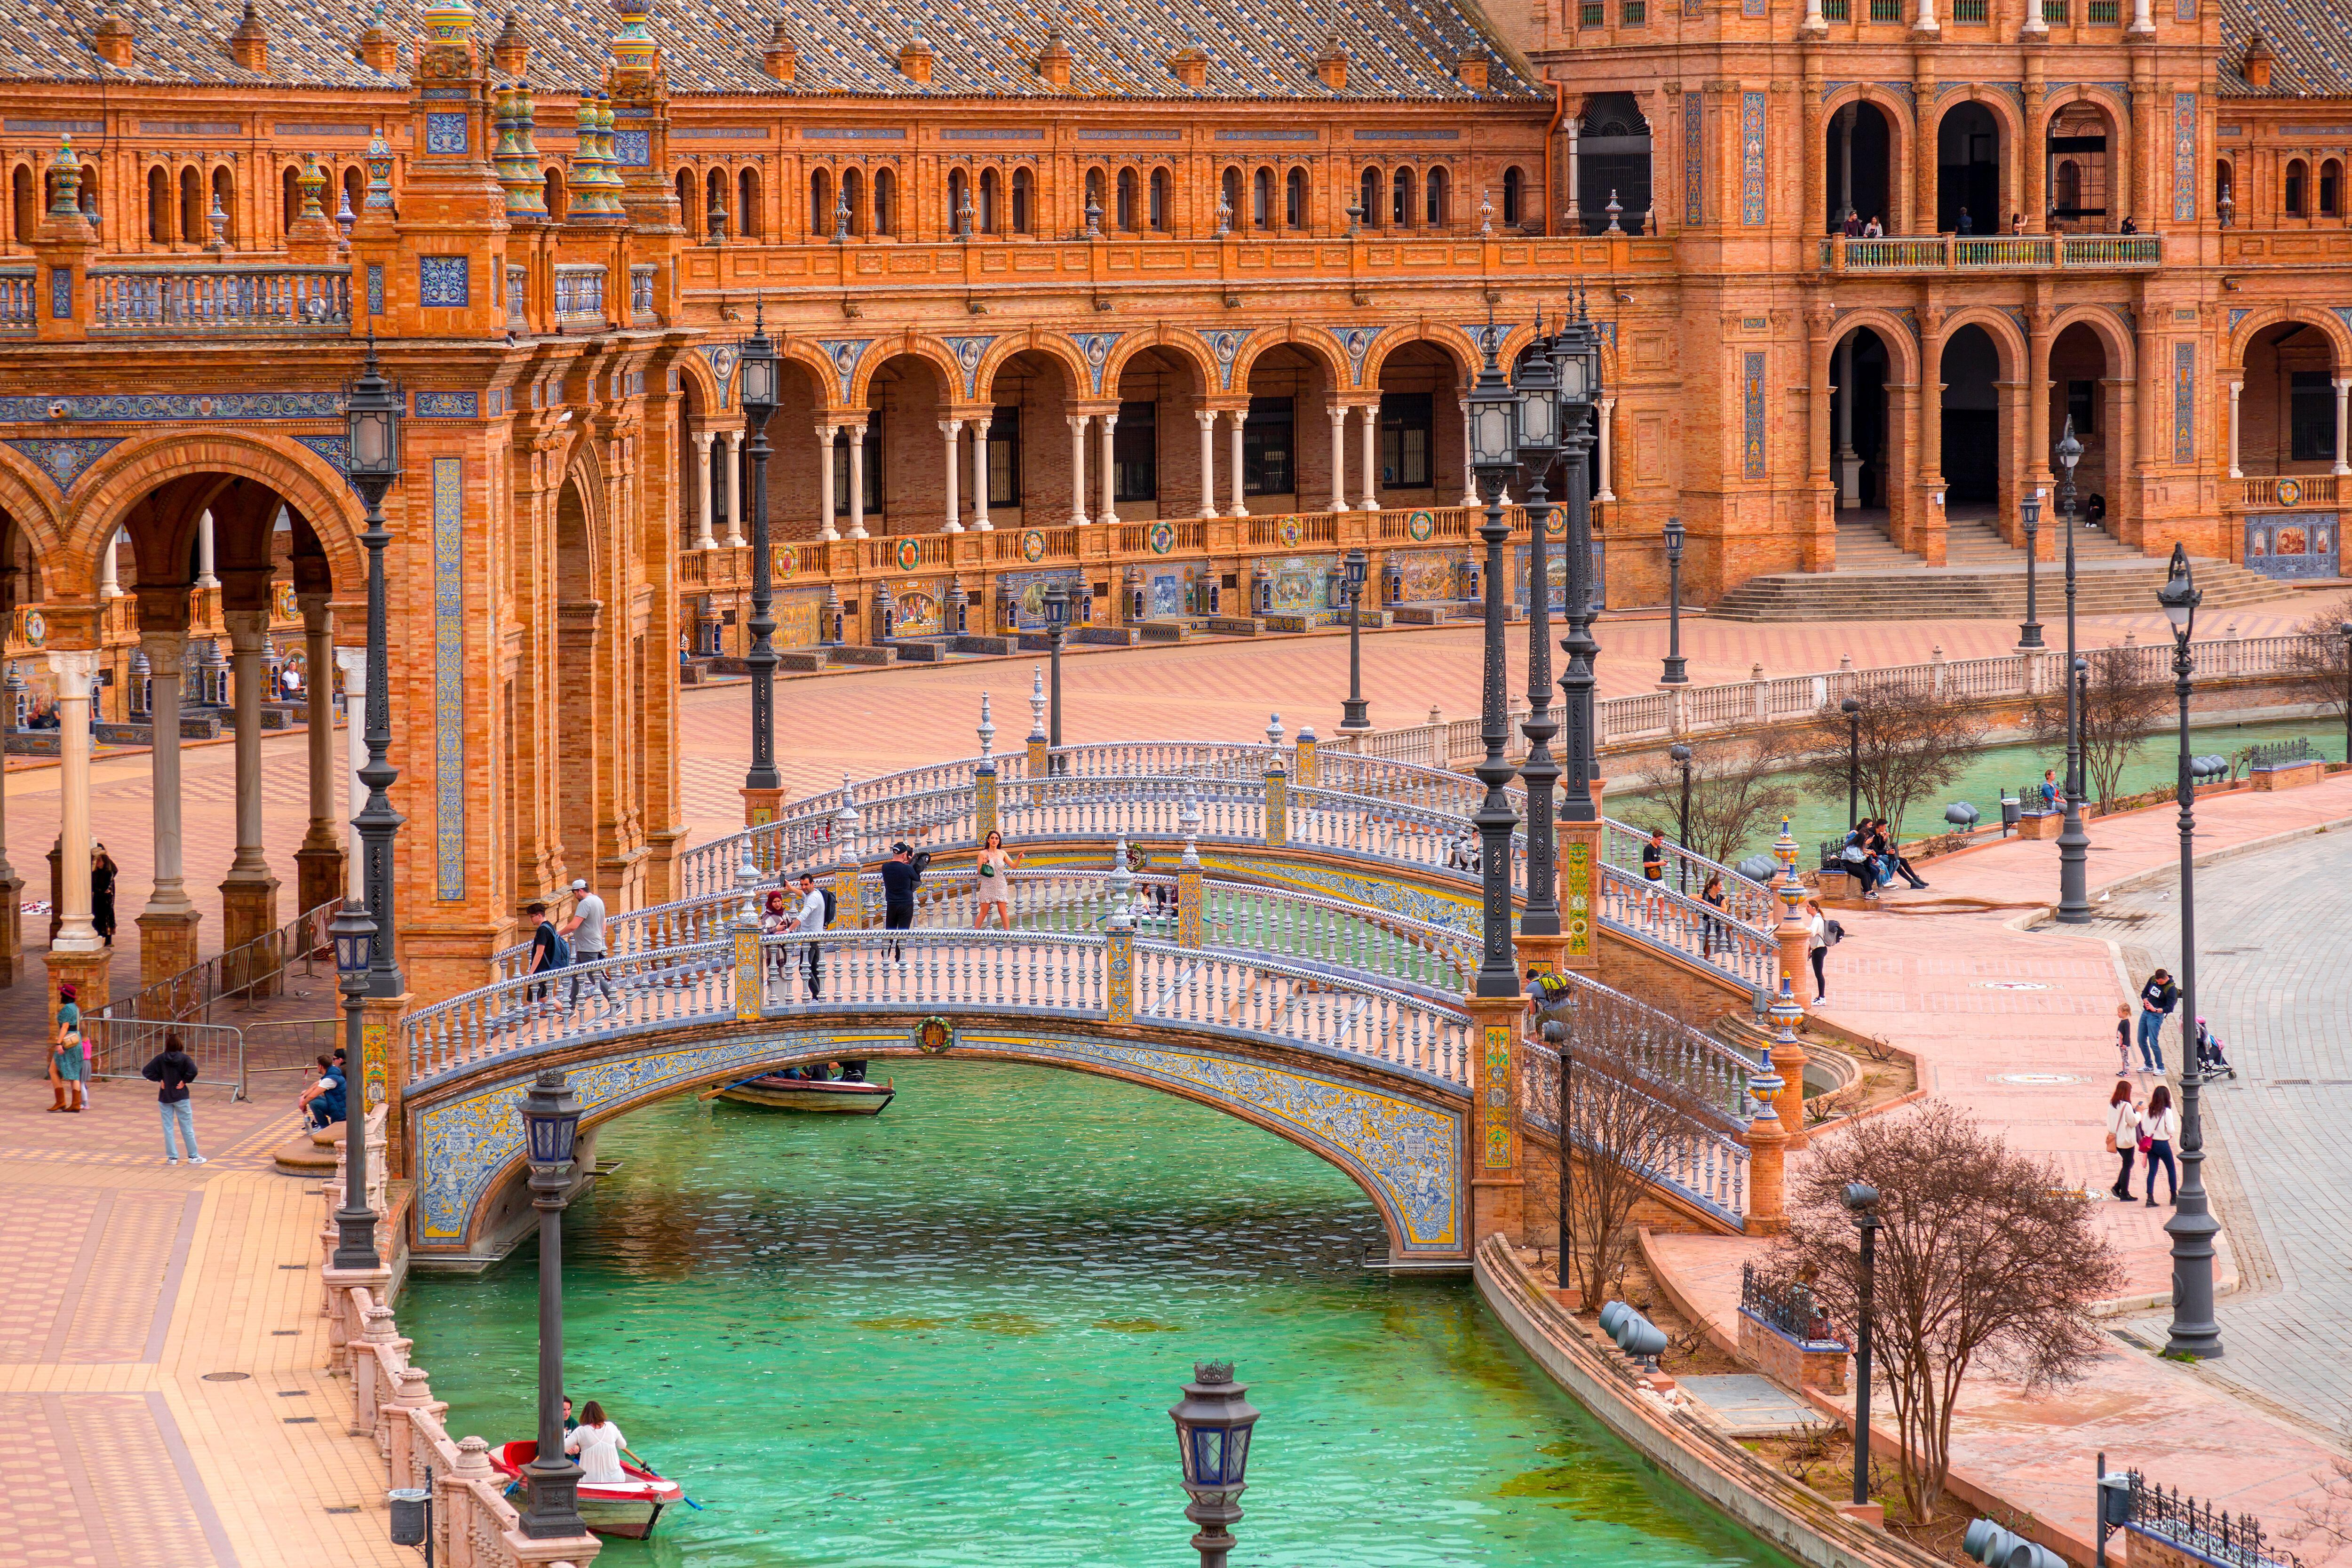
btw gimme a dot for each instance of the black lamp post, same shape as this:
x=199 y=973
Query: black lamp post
x=1057 y=621
x=1352 y=713
x=1212 y=1440
x=2028 y=634
x=354 y=938
x=1494 y=457
x=371 y=424
x=1862 y=1202
x=1851 y=708
x=1554 y=1035
x=2192 y=1226
x=1675 y=673
x=2073 y=844
x=550 y=1117
x=1680 y=756
x=2345 y=631
x=757 y=371
x=1576 y=353
x=1539 y=417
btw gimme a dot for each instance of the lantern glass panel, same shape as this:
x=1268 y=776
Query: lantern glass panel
x=1491 y=444
x=1539 y=418
x=371 y=441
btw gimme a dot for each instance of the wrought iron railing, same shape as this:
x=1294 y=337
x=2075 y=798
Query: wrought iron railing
x=2280 y=753
x=2233 y=1540
x=243 y=976
x=1788 y=1305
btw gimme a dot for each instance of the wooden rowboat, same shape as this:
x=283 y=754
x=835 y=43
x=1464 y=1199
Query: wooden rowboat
x=609 y=1507
x=823 y=1097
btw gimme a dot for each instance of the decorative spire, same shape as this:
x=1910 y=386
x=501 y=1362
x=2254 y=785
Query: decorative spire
x=112 y=39
x=250 y=45
x=987 y=729
x=310 y=182
x=511 y=48
x=782 y=59
x=449 y=21
x=378 y=49
x=517 y=156
x=65 y=174
x=379 y=187
x=633 y=48
x=1036 y=705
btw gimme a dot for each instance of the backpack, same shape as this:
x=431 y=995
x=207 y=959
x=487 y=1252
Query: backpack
x=1834 y=931
x=831 y=904
x=559 y=953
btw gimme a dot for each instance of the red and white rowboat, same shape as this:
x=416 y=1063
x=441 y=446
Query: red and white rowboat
x=642 y=1489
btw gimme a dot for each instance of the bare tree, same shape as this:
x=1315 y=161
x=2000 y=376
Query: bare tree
x=1634 y=1113
x=1984 y=1259
x=2319 y=659
x=1913 y=742
x=2327 y=1519
x=2121 y=707
x=1737 y=796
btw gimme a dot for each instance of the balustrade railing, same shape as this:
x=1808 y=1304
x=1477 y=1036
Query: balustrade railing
x=1993 y=253
x=1656 y=913
x=2288 y=489
x=1706 y=1164
x=16 y=300
x=221 y=299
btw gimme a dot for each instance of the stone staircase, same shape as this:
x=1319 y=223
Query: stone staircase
x=1983 y=577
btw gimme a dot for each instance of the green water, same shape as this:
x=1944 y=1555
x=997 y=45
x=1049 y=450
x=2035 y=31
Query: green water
x=950 y=1335
x=1995 y=768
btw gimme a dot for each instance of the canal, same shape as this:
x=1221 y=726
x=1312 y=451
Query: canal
x=948 y=1336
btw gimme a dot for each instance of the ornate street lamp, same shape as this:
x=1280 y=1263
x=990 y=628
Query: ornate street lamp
x=1494 y=458
x=372 y=427
x=1352 y=713
x=1851 y=708
x=2028 y=634
x=2192 y=1226
x=354 y=938
x=1212 y=1439
x=1539 y=422
x=1575 y=352
x=2073 y=844
x=1675 y=672
x=2343 y=630
x=1862 y=1202
x=1057 y=621
x=757 y=391
x=550 y=1117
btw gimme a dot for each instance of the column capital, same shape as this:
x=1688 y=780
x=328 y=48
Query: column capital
x=352 y=662
x=1111 y=421
x=164 y=650
x=247 y=628
x=735 y=436
x=978 y=423
x=703 y=438
x=318 y=613
x=73 y=664
x=1078 y=423
x=1205 y=417
x=950 y=426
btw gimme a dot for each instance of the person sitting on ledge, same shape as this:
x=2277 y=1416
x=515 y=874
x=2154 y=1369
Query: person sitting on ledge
x=322 y=1103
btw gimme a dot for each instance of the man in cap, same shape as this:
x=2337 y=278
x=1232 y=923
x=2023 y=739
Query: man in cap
x=900 y=875
x=585 y=931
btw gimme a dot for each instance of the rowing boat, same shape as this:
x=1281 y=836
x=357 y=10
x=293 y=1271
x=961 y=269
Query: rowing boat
x=832 y=1097
x=609 y=1507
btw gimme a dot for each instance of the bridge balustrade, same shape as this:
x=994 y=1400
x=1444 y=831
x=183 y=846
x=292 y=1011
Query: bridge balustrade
x=1706 y=1164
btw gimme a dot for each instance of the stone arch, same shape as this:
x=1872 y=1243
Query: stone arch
x=1181 y=342
x=306 y=481
x=25 y=493
x=2114 y=171
x=1901 y=337
x=472 y=1156
x=706 y=397
x=1901 y=142
x=2243 y=335
x=917 y=345
x=2007 y=336
x=1466 y=354
x=1314 y=341
x=2009 y=189
x=804 y=353
x=1055 y=345
x=2109 y=331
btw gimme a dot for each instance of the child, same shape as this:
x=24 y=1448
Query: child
x=2123 y=1039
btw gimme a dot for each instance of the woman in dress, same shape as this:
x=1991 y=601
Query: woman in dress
x=598 y=1444
x=994 y=876
x=102 y=871
x=67 y=1084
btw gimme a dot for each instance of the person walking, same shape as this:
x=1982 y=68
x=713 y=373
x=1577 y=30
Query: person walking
x=2157 y=998
x=174 y=1070
x=1818 y=941
x=994 y=876
x=548 y=953
x=2159 y=1128
x=2122 y=1135
x=810 y=923
x=1711 y=926
x=901 y=874
x=585 y=933
x=102 y=874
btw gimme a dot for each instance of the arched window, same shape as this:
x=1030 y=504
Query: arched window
x=2225 y=195
x=714 y=201
x=747 y=204
x=1231 y=195
x=1023 y=188
x=959 y=191
x=1127 y=195
x=2331 y=189
x=689 y=210
x=551 y=191
x=223 y=197
x=2297 y=177
x=1294 y=199
x=89 y=196
x=1512 y=180
x=1097 y=199
x=159 y=207
x=821 y=204
x=984 y=215
x=2070 y=184
x=355 y=189
x=1262 y=199
x=1434 y=192
x=886 y=202
x=1368 y=198
x=1160 y=201
x=293 y=199
x=853 y=197
x=23 y=204
x=1401 y=198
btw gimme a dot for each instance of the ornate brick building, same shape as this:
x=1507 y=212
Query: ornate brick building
x=1173 y=302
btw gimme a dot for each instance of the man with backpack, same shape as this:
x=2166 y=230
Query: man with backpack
x=549 y=952
x=2157 y=998
x=901 y=874
x=816 y=911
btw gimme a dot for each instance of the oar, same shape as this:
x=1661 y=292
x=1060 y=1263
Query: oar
x=644 y=1465
x=722 y=1089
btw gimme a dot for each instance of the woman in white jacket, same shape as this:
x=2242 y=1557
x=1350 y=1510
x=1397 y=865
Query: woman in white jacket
x=2160 y=1125
x=2122 y=1134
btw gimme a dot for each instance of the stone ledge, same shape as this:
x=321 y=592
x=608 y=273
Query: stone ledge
x=2291 y=776
x=1788 y=1361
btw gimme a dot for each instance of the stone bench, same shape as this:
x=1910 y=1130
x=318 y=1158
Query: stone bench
x=2291 y=776
x=1790 y=1361
x=1106 y=636
x=916 y=651
x=1421 y=615
x=1235 y=625
x=850 y=653
x=975 y=642
x=1288 y=621
x=1163 y=631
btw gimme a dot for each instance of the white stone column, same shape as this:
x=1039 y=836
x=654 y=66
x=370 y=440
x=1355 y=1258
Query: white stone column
x=827 y=438
x=735 y=487
x=702 y=538
x=1339 y=456
x=857 y=481
x=1108 y=514
x=110 y=578
x=165 y=652
x=953 y=430
x=1370 y=419
x=352 y=662
x=1077 y=468
x=204 y=578
x=1207 y=418
x=980 y=523
x=2143 y=24
x=74 y=670
x=2342 y=385
x=1469 y=482
x=1926 y=20
x=246 y=631
x=2235 y=388
x=1234 y=457
x=1601 y=491
x=1815 y=21
x=1575 y=225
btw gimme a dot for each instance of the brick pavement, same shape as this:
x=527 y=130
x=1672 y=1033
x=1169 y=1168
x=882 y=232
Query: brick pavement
x=1938 y=980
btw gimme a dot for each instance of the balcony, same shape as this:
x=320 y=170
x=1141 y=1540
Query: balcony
x=1993 y=253
x=2273 y=490
x=229 y=299
x=16 y=300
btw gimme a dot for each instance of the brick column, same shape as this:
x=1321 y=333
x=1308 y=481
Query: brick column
x=1579 y=867
x=319 y=874
x=168 y=925
x=2038 y=439
x=1930 y=532
x=1497 y=1183
x=12 y=889
x=383 y=1075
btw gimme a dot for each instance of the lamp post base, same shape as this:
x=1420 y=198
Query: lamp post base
x=760 y=805
x=1355 y=714
x=2029 y=637
x=1676 y=672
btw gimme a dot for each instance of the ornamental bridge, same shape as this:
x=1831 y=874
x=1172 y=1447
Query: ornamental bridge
x=1296 y=950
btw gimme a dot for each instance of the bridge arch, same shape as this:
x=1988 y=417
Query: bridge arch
x=1403 y=1142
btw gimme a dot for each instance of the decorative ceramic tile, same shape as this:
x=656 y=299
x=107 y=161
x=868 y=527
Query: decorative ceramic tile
x=1357 y=342
x=146 y=409
x=445 y=133
x=1752 y=427
x=448 y=405
x=969 y=353
x=1224 y=347
x=443 y=280
x=2184 y=157
x=1752 y=203
x=68 y=459
x=845 y=353
x=2184 y=403
x=1096 y=349
x=61 y=293
x=632 y=149
x=450 y=678
x=376 y=288
x=1694 y=160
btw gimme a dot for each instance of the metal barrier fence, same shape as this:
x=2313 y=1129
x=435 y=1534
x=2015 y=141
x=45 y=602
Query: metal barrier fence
x=122 y=1047
x=248 y=973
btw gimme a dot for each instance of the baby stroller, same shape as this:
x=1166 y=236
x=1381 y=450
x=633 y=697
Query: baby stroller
x=2209 y=1059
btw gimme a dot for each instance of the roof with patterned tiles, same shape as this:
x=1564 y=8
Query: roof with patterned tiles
x=1257 y=49
x=2311 y=41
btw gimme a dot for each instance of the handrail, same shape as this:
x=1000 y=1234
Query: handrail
x=1657 y=912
